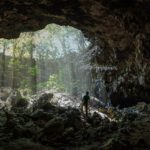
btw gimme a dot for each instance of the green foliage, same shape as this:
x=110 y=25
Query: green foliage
x=24 y=83
x=41 y=85
x=25 y=86
x=34 y=56
x=32 y=71
x=52 y=83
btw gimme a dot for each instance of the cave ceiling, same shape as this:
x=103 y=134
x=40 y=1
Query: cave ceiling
x=116 y=21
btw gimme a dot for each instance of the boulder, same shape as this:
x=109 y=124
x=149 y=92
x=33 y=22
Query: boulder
x=4 y=93
x=13 y=99
x=52 y=132
x=148 y=108
x=73 y=119
x=24 y=144
x=2 y=118
x=68 y=132
x=54 y=127
x=114 y=143
x=20 y=131
x=22 y=102
x=141 y=106
x=45 y=97
x=2 y=104
x=43 y=102
x=39 y=114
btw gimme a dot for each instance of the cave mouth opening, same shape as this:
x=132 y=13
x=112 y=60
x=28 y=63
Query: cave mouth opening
x=49 y=59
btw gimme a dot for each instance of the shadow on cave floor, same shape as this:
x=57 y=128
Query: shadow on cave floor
x=43 y=124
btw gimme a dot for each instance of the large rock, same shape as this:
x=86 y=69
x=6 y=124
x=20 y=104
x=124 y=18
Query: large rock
x=95 y=120
x=43 y=102
x=4 y=93
x=54 y=127
x=13 y=99
x=2 y=118
x=114 y=144
x=22 y=102
x=73 y=118
x=45 y=97
x=141 y=106
x=24 y=144
x=20 y=131
x=148 y=108
x=39 y=114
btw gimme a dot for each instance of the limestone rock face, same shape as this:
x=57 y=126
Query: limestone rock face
x=119 y=19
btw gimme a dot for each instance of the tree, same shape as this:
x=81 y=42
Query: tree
x=33 y=72
x=14 y=67
x=3 y=65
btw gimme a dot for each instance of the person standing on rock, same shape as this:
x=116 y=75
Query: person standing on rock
x=85 y=101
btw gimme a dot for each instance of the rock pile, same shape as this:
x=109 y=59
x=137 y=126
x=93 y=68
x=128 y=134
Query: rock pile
x=49 y=127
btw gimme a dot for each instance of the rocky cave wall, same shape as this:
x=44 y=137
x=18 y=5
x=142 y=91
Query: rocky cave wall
x=121 y=29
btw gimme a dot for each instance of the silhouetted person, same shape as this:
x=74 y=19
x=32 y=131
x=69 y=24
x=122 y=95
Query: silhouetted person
x=85 y=101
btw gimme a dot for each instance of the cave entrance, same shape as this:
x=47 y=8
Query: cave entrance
x=54 y=58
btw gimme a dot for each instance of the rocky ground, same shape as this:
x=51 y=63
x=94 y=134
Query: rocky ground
x=44 y=125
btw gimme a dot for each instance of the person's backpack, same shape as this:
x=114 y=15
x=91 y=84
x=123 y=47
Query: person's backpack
x=85 y=99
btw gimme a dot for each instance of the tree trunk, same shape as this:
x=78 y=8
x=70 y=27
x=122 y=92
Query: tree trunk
x=33 y=76
x=3 y=67
x=73 y=77
x=14 y=73
x=33 y=69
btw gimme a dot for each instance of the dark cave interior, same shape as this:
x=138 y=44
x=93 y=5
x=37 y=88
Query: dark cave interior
x=52 y=52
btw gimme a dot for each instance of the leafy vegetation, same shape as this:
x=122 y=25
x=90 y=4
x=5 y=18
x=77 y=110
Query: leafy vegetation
x=44 y=59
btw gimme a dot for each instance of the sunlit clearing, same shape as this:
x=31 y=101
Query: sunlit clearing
x=49 y=59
